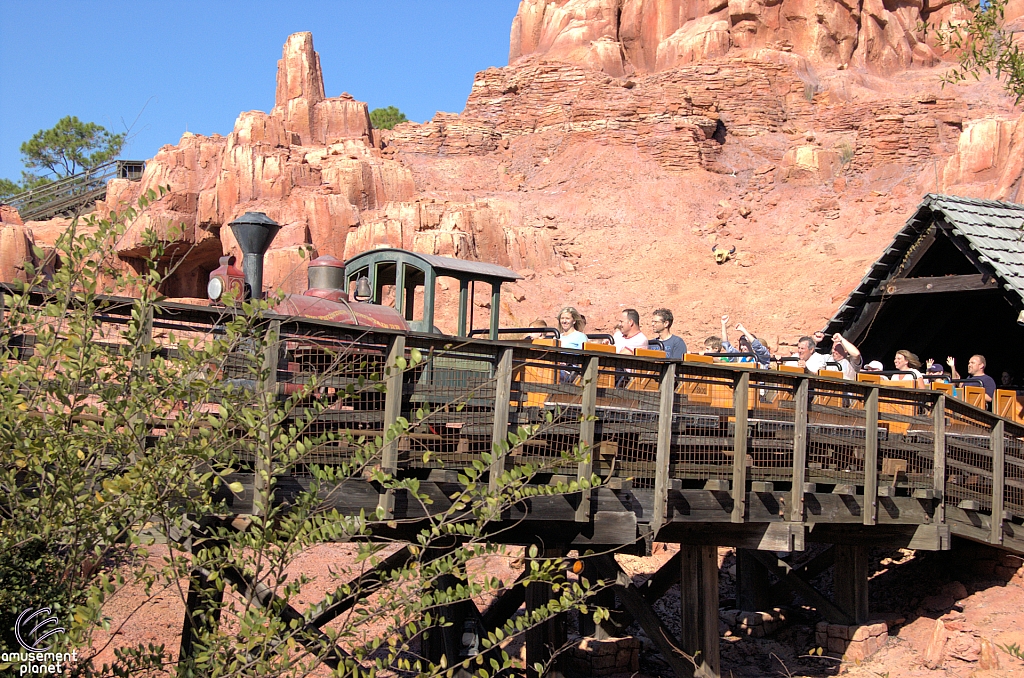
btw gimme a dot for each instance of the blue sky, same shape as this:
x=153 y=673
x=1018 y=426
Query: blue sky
x=164 y=67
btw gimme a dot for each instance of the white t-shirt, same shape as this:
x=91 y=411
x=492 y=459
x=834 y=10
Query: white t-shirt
x=817 y=362
x=906 y=377
x=638 y=340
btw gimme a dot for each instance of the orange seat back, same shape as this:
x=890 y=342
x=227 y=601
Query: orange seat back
x=536 y=375
x=903 y=409
x=1005 y=404
x=603 y=380
x=974 y=395
x=641 y=383
x=698 y=358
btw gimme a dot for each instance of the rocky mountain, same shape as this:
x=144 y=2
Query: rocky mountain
x=623 y=141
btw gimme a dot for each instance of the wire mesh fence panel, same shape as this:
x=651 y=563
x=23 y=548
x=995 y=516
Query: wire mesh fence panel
x=335 y=390
x=1013 y=460
x=968 y=456
x=547 y=393
x=703 y=424
x=626 y=430
x=451 y=401
x=771 y=426
x=837 y=432
x=906 y=442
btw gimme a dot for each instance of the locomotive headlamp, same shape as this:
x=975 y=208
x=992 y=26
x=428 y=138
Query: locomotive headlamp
x=227 y=278
x=215 y=288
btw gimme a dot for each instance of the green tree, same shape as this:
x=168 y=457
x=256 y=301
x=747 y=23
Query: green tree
x=386 y=118
x=106 y=434
x=71 y=146
x=8 y=188
x=984 y=45
x=67 y=148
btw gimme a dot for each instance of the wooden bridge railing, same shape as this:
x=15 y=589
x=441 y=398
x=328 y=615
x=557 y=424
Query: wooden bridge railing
x=653 y=426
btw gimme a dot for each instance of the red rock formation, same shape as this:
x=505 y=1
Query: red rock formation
x=989 y=161
x=15 y=250
x=644 y=36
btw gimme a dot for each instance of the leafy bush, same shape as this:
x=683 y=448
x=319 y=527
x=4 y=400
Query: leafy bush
x=107 y=435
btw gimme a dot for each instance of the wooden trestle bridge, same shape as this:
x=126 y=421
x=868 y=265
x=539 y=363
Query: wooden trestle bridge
x=697 y=454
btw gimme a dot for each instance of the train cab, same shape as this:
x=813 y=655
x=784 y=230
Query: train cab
x=409 y=282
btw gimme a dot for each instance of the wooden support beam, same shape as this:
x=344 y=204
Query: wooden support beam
x=850 y=581
x=614 y=627
x=358 y=589
x=939 y=459
x=635 y=604
x=499 y=433
x=796 y=507
x=312 y=638
x=807 y=572
x=202 y=613
x=263 y=489
x=142 y=365
x=666 y=399
x=505 y=604
x=392 y=410
x=740 y=396
x=544 y=639
x=698 y=596
x=752 y=584
x=998 y=482
x=588 y=409
x=871 y=457
x=975 y=282
x=825 y=607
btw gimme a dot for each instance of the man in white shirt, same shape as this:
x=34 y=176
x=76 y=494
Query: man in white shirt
x=628 y=336
x=807 y=358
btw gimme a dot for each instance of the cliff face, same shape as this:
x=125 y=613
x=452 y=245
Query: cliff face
x=621 y=37
x=609 y=157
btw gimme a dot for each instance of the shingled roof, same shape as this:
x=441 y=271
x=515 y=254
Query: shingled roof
x=992 y=229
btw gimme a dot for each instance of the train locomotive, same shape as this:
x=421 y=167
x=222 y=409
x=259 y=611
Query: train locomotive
x=358 y=292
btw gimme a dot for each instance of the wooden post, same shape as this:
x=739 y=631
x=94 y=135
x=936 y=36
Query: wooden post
x=604 y=598
x=796 y=509
x=666 y=399
x=850 y=581
x=698 y=588
x=939 y=462
x=998 y=482
x=202 y=613
x=144 y=358
x=543 y=639
x=752 y=583
x=870 y=515
x=392 y=410
x=740 y=399
x=262 y=501
x=499 y=434
x=588 y=410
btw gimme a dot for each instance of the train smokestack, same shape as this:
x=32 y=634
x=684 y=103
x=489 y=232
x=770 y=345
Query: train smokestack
x=254 y=232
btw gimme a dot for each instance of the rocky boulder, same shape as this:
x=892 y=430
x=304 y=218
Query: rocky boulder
x=989 y=160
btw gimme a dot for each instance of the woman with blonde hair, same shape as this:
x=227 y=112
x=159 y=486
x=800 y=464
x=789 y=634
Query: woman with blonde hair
x=906 y=361
x=570 y=325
